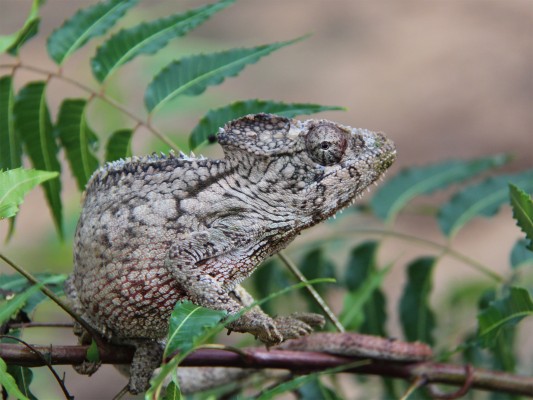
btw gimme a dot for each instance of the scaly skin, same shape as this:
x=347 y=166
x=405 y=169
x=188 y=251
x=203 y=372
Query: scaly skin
x=156 y=230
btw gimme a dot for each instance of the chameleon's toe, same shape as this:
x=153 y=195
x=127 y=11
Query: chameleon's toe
x=292 y=328
x=312 y=319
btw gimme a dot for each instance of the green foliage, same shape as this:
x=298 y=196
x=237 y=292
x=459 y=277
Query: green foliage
x=15 y=184
x=78 y=139
x=12 y=43
x=32 y=120
x=364 y=304
x=10 y=307
x=415 y=181
x=148 y=38
x=507 y=311
x=315 y=265
x=316 y=390
x=17 y=285
x=23 y=378
x=85 y=25
x=119 y=145
x=172 y=392
x=191 y=76
x=28 y=131
x=9 y=384
x=417 y=318
x=209 y=124
x=10 y=148
x=190 y=326
x=520 y=255
x=482 y=199
x=523 y=211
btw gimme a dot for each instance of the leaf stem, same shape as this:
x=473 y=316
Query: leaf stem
x=101 y=95
x=319 y=300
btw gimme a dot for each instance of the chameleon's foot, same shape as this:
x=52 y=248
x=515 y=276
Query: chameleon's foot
x=87 y=367
x=273 y=331
x=146 y=359
x=260 y=325
x=298 y=324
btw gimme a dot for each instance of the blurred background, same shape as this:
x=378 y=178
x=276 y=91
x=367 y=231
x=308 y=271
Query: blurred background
x=443 y=79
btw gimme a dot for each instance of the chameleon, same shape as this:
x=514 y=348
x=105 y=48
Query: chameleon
x=155 y=230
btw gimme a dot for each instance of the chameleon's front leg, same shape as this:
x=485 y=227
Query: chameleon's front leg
x=204 y=290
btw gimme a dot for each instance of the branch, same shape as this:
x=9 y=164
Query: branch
x=296 y=361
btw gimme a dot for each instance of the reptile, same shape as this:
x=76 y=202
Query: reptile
x=155 y=230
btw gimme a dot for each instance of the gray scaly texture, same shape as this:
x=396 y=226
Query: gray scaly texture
x=155 y=230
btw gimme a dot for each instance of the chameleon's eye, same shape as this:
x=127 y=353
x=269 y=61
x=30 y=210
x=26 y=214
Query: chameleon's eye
x=326 y=144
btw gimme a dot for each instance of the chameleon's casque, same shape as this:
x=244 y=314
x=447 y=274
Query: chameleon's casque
x=155 y=230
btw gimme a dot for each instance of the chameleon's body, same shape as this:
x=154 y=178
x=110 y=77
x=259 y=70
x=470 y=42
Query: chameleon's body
x=156 y=230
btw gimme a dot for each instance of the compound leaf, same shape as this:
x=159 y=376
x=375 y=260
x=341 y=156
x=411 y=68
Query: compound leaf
x=481 y=199
x=192 y=75
x=148 y=38
x=189 y=324
x=417 y=318
x=78 y=139
x=520 y=255
x=86 y=24
x=416 y=181
x=9 y=383
x=15 y=184
x=522 y=211
x=507 y=311
x=10 y=146
x=12 y=43
x=119 y=145
x=32 y=120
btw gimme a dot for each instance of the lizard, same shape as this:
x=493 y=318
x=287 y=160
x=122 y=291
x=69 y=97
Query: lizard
x=158 y=229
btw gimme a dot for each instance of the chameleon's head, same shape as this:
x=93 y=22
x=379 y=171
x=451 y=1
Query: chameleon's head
x=314 y=167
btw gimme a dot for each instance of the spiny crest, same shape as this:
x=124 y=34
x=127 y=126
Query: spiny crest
x=131 y=164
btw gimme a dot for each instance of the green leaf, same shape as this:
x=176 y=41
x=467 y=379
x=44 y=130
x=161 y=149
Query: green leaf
x=363 y=279
x=78 y=139
x=15 y=184
x=417 y=318
x=507 y=311
x=316 y=390
x=32 y=120
x=189 y=324
x=86 y=24
x=10 y=147
x=295 y=383
x=192 y=75
x=9 y=308
x=119 y=145
x=522 y=205
x=9 y=383
x=23 y=377
x=482 y=199
x=12 y=43
x=93 y=354
x=148 y=38
x=416 y=181
x=354 y=312
x=15 y=284
x=315 y=265
x=172 y=392
x=520 y=256
x=269 y=278
x=209 y=124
